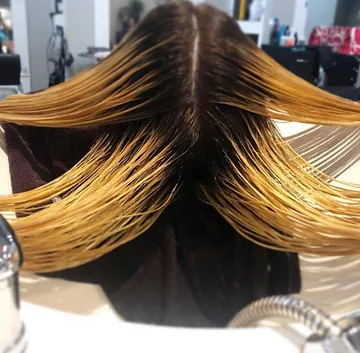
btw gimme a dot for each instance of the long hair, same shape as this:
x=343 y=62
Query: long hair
x=186 y=99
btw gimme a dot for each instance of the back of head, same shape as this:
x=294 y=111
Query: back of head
x=190 y=54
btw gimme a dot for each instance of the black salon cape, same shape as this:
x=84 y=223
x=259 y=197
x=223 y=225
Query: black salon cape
x=190 y=269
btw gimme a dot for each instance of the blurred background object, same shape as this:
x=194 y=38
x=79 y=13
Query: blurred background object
x=128 y=17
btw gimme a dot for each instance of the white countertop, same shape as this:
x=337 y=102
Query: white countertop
x=63 y=316
x=55 y=331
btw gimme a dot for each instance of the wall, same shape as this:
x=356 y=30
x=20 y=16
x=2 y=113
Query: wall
x=320 y=13
x=102 y=25
x=353 y=18
x=39 y=31
x=19 y=18
x=342 y=10
x=79 y=26
x=300 y=15
x=224 y=5
x=283 y=10
x=348 y=13
x=79 y=18
x=115 y=6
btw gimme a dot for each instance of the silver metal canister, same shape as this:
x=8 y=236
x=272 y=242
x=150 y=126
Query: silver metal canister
x=12 y=331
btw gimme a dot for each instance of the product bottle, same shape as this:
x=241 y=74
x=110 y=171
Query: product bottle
x=274 y=34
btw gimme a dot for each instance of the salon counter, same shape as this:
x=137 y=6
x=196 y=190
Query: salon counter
x=63 y=316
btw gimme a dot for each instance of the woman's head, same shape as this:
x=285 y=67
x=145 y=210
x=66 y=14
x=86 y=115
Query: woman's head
x=187 y=98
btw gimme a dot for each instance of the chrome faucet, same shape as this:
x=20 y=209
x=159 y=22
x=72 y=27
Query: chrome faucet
x=12 y=331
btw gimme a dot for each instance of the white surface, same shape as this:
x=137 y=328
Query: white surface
x=63 y=316
x=300 y=16
x=39 y=30
x=51 y=331
x=320 y=13
x=79 y=16
x=251 y=27
x=19 y=18
x=32 y=29
x=283 y=10
x=102 y=23
x=267 y=17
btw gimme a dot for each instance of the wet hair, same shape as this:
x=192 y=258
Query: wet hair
x=188 y=102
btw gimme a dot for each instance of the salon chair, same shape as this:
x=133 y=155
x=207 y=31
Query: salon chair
x=343 y=70
x=341 y=76
x=298 y=60
x=325 y=54
x=10 y=70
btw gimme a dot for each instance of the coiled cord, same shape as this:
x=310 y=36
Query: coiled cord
x=283 y=306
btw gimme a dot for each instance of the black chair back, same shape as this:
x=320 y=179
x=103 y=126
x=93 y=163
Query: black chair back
x=343 y=70
x=325 y=54
x=10 y=70
x=302 y=63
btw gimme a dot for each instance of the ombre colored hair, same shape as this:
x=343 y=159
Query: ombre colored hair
x=186 y=98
